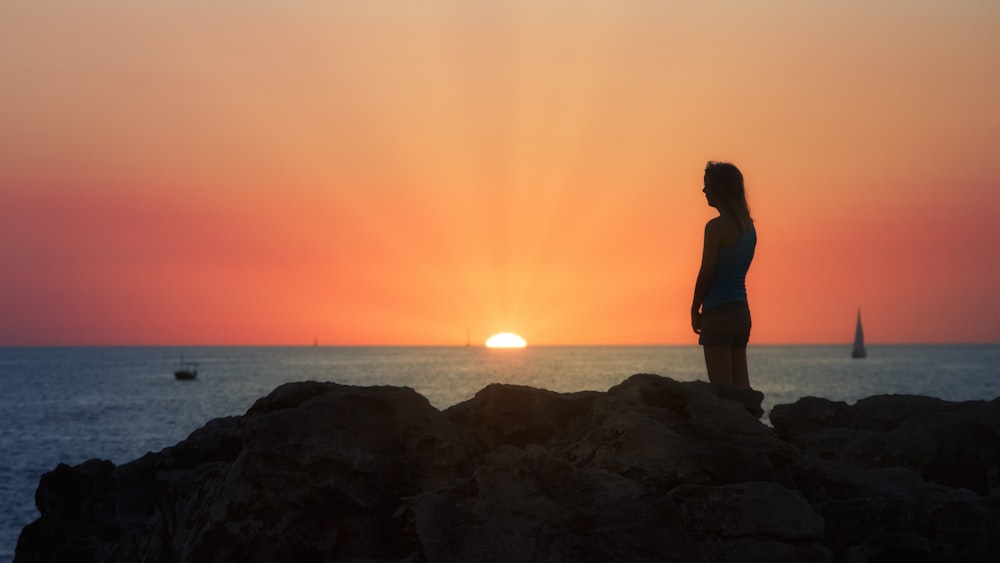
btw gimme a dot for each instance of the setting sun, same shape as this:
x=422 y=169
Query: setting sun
x=505 y=340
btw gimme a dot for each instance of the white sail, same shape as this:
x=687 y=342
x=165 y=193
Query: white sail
x=859 y=340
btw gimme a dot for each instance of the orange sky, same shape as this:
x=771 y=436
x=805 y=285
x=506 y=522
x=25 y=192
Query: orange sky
x=397 y=172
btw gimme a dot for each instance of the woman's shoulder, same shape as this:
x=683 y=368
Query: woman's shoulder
x=719 y=232
x=726 y=231
x=717 y=222
x=723 y=226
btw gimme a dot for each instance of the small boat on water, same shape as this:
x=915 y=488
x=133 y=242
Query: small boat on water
x=859 y=351
x=187 y=371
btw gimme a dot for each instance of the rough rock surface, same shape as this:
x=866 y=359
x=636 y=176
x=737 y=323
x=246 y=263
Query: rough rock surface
x=651 y=470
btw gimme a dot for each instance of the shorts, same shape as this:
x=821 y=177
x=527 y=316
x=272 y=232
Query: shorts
x=726 y=325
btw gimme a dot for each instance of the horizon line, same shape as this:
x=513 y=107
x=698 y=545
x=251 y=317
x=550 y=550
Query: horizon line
x=657 y=345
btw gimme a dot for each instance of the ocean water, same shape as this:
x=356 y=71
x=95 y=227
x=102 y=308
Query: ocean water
x=72 y=404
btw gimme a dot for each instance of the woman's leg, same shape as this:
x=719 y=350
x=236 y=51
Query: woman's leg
x=740 y=372
x=719 y=363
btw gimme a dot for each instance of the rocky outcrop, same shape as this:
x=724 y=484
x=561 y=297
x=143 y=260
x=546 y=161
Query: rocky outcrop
x=651 y=470
x=933 y=466
x=954 y=444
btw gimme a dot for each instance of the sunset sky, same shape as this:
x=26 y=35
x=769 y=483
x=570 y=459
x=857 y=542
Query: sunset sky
x=409 y=173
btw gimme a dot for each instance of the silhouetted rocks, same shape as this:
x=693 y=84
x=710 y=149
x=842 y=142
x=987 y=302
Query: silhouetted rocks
x=954 y=444
x=651 y=470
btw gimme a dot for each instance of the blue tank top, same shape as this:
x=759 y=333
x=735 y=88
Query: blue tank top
x=729 y=282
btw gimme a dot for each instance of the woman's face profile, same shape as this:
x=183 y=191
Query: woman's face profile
x=710 y=196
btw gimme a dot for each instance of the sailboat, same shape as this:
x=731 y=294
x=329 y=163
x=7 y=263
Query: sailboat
x=859 y=340
x=186 y=371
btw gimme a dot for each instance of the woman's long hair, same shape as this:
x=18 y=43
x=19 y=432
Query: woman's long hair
x=726 y=182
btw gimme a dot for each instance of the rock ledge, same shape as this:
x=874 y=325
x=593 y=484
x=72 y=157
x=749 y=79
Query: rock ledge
x=651 y=470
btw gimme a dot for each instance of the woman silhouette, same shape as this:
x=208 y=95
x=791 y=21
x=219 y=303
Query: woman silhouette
x=720 y=313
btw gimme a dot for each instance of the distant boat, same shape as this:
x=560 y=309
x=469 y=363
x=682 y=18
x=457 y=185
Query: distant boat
x=859 y=340
x=187 y=371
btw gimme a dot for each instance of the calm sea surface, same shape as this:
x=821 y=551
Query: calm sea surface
x=72 y=404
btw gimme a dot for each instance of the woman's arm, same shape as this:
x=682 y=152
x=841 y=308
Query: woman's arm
x=709 y=255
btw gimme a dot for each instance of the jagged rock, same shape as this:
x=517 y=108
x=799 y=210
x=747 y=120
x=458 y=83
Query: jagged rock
x=651 y=470
x=519 y=415
x=933 y=469
x=956 y=444
x=79 y=505
x=756 y=521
